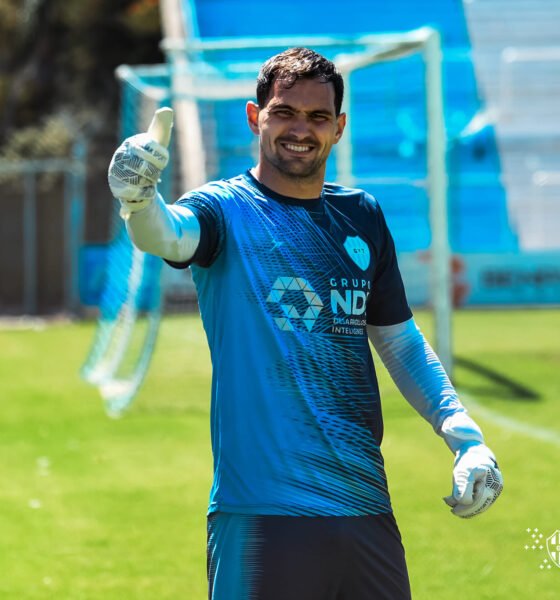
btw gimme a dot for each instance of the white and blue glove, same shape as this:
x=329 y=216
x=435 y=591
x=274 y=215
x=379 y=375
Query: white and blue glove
x=422 y=380
x=477 y=481
x=138 y=162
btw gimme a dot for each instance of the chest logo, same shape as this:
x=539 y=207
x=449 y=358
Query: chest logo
x=358 y=251
x=299 y=290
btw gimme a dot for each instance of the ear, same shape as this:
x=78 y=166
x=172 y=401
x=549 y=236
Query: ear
x=253 y=117
x=340 y=125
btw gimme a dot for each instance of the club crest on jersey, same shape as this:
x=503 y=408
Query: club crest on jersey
x=358 y=251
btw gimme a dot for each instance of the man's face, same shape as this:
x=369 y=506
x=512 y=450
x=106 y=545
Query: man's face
x=297 y=127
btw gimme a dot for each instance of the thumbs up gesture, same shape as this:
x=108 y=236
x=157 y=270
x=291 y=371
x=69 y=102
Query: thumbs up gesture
x=137 y=164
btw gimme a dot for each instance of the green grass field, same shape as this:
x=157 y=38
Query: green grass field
x=92 y=507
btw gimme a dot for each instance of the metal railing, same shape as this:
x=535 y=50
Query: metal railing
x=73 y=171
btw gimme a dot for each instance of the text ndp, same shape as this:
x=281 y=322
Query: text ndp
x=353 y=302
x=349 y=299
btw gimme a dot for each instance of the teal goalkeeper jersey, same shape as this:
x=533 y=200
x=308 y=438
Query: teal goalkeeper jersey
x=286 y=288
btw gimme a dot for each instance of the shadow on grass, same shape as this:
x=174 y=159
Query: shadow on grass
x=499 y=385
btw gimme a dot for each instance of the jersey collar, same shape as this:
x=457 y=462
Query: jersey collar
x=311 y=203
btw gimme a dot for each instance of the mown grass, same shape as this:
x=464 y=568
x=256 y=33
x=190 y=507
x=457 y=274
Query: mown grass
x=93 y=507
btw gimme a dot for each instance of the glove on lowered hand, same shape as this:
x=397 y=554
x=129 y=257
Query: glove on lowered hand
x=477 y=481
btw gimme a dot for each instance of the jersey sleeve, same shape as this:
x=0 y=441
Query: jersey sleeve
x=206 y=208
x=387 y=303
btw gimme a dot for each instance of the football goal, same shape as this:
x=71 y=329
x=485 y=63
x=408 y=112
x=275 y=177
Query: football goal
x=394 y=147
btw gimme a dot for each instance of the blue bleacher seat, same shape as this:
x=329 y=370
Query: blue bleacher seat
x=383 y=142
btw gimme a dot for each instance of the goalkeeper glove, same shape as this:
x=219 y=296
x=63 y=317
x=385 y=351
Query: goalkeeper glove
x=135 y=170
x=477 y=481
x=137 y=164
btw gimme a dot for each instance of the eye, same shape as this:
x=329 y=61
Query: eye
x=283 y=112
x=319 y=117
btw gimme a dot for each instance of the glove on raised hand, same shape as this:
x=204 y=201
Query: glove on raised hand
x=477 y=481
x=135 y=170
x=137 y=164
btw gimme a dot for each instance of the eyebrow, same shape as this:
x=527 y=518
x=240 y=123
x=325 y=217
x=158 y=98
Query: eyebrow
x=315 y=111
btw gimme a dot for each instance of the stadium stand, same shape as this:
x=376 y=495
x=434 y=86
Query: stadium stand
x=517 y=56
x=479 y=218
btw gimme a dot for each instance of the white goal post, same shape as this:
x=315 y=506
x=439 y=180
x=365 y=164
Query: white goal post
x=207 y=84
x=195 y=78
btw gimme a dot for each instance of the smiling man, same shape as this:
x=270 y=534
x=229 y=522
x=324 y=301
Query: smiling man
x=297 y=121
x=293 y=276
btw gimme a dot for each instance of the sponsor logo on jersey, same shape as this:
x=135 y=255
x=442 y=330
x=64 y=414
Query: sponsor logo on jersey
x=348 y=305
x=348 y=302
x=313 y=304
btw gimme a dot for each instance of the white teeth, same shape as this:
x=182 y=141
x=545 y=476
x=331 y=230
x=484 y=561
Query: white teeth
x=295 y=148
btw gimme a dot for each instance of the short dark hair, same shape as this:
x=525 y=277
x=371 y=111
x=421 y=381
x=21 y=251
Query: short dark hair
x=294 y=64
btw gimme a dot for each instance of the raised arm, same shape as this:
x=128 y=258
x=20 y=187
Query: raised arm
x=421 y=378
x=172 y=232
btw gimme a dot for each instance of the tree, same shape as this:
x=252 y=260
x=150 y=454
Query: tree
x=57 y=81
x=58 y=62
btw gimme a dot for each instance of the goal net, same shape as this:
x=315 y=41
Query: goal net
x=130 y=306
x=394 y=147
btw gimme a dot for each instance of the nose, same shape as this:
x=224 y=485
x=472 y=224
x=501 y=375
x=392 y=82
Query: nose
x=299 y=128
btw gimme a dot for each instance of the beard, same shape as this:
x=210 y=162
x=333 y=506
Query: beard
x=297 y=168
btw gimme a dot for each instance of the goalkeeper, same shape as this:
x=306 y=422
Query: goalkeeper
x=294 y=275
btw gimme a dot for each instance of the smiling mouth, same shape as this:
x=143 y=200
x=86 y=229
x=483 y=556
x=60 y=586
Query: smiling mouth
x=298 y=148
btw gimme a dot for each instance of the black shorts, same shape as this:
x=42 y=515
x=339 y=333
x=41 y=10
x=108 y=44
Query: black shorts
x=256 y=557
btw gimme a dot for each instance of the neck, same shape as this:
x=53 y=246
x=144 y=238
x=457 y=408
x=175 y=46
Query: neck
x=303 y=188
